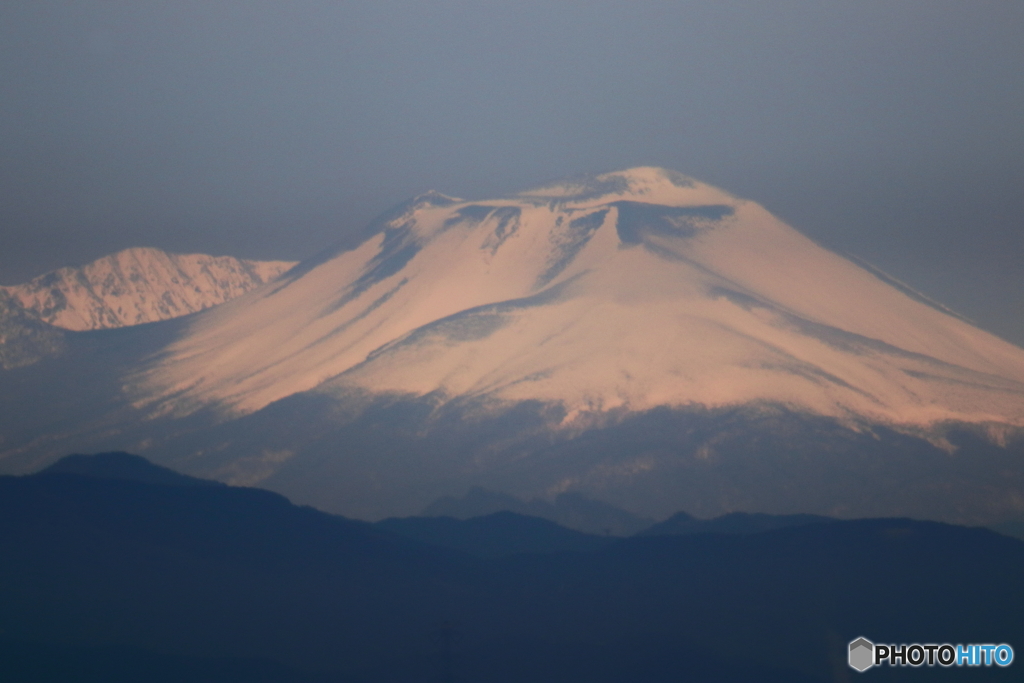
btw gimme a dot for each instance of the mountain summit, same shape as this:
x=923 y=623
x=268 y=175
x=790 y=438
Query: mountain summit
x=621 y=291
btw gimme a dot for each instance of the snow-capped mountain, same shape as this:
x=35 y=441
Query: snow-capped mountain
x=136 y=286
x=638 y=338
x=620 y=292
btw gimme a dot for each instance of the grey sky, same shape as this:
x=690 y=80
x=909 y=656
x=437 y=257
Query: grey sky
x=890 y=130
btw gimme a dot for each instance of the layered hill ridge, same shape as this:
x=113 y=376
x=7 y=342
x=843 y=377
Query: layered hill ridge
x=618 y=292
x=135 y=286
x=119 y=574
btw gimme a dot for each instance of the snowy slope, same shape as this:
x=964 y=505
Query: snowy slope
x=138 y=285
x=622 y=291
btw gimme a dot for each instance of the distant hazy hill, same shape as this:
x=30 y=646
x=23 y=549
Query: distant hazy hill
x=138 y=285
x=116 y=579
x=570 y=510
x=681 y=524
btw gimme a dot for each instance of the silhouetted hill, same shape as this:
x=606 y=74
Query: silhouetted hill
x=570 y=510
x=1013 y=528
x=120 y=465
x=732 y=523
x=495 y=535
x=199 y=575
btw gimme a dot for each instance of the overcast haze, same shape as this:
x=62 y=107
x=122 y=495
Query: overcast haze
x=893 y=131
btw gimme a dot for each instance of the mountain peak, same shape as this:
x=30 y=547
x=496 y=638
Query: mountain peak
x=642 y=183
x=138 y=285
x=434 y=198
x=122 y=466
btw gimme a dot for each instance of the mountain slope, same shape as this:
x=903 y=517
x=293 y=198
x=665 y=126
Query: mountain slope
x=23 y=338
x=622 y=292
x=138 y=285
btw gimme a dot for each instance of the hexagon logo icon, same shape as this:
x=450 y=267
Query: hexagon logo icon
x=862 y=654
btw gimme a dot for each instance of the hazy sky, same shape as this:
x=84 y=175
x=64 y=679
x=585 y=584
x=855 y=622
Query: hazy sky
x=890 y=130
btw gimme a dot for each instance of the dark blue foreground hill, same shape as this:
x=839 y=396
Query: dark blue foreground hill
x=125 y=466
x=213 y=576
x=732 y=523
x=495 y=535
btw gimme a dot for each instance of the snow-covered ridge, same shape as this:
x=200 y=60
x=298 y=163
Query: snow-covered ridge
x=138 y=285
x=623 y=291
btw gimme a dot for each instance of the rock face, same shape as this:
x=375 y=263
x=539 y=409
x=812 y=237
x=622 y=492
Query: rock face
x=136 y=286
x=24 y=339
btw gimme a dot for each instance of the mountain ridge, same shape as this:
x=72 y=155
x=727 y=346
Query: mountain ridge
x=213 y=572
x=138 y=285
